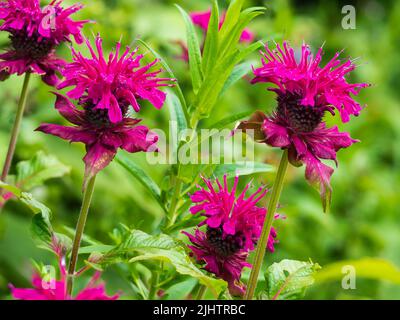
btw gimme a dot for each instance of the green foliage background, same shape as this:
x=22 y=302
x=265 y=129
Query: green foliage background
x=364 y=220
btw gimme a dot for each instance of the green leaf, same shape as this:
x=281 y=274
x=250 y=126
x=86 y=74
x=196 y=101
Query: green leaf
x=231 y=119
x=237 y=74
x=230 y=41
x=100 y=248
x=40 y=168
x=231 y=18
x=164 y=248
x=41 y=228
x=194 y=51
x=369 y=268
x=141 y=176
x=214 y=82
x=210 y=52
x=176 y=111
x=288 y=279
x=242 y=169
x=14 y=190
x=181 y=290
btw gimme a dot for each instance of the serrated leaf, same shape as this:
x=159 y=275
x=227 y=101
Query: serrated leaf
x=288 y=279
x=242 y=169
x=164 y=248
x=141 y=176
x=195 y=64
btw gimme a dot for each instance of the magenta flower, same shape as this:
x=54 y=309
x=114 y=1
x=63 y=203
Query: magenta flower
x=221 y=257
x=44 y=289
x=305 y=92
x=234 y=225
x=235 y=215
x=101 y=137
x=118 y=81
x=35 y=33
x=308 y=85
x=202 y=19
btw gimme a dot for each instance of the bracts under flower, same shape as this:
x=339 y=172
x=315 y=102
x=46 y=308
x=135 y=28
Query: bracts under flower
x=305 y=92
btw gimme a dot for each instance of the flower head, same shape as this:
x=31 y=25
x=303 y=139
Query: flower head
x=35 y=32
x=219 y=258
x=308 y=85
x=101 y=137
x=112 y=83
x=305 y=92
x=45 y=289
x=233 y=227
x=234 y=214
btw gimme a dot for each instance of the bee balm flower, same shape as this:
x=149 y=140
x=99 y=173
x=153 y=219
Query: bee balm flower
x=35 y=33
x=305 y=92
x=101 y=137
x=233 y=227
x=115 y=82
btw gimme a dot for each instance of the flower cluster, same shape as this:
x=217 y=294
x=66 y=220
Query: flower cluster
x=305 y=92
x=45 y=289
x=233 y=227
x=35 y=33
x=104 y=90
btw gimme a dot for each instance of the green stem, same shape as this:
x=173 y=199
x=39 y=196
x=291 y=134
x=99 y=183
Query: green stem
x=172 y=212
x=262 y=242
x=80 y=227
x=174 y=202
x=154 y=285
x=16 y=128
x=201 y=292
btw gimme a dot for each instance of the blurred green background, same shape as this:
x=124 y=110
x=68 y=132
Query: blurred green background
x=365 y=218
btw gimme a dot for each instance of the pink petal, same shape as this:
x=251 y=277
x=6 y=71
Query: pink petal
x=72 y=134
x=319 y=175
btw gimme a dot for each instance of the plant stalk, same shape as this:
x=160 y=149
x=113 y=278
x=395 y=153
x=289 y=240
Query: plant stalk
x=262 y=242
x=201 y=292
x=80 y=227
x=16 y=128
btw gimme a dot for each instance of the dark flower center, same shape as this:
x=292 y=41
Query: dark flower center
x=300 y=118
x=227 y=246
x=99 y=117
x=30 y=46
